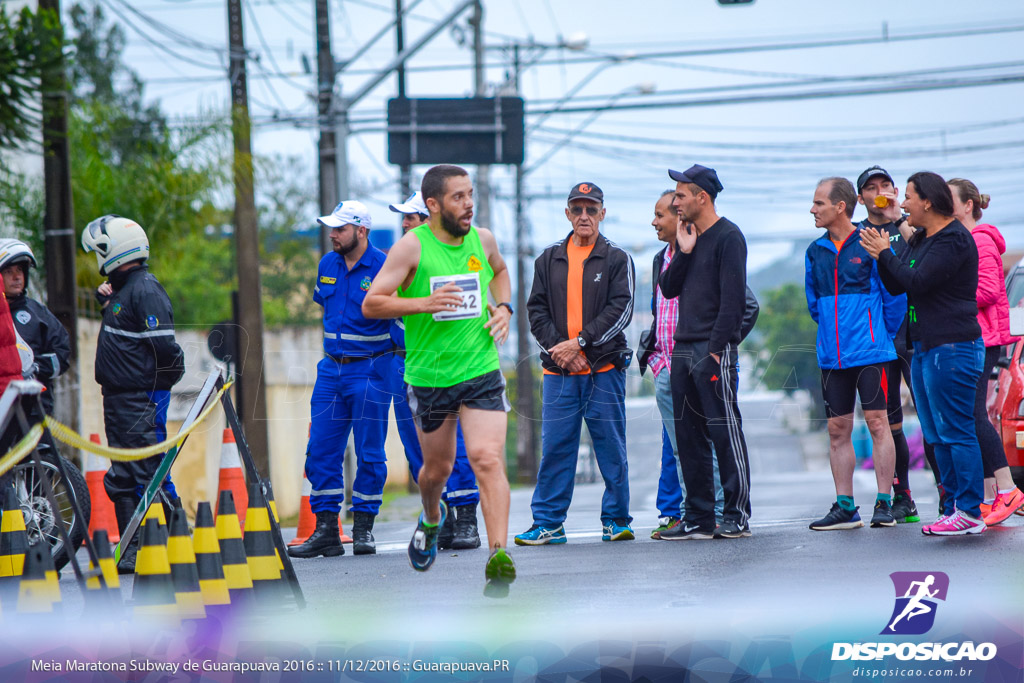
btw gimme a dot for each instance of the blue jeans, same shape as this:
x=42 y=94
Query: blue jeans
x=671 y=491
x=945 y=380
x=600 y=399
x=460 y=489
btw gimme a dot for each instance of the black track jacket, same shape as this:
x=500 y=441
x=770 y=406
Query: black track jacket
x=609 y=280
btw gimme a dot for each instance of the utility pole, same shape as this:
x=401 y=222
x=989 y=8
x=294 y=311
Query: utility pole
x=405 y=170
x=253 y=406
x=526 y=410
x=328 y=147
x=483 y=171
x=59 y=220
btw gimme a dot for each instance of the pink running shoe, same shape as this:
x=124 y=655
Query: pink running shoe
x=927 y=528
x=957 y=524
x=1004 y=506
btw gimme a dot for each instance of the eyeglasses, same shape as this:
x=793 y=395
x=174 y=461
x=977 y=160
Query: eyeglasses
x=578 y=210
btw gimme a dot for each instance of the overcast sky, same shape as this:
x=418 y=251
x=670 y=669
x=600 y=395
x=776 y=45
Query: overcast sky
x=769 y=154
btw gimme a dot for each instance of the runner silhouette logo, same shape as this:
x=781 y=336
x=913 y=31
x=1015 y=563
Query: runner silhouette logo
x=917 y=594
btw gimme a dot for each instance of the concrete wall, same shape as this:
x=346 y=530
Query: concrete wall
x=290 y=370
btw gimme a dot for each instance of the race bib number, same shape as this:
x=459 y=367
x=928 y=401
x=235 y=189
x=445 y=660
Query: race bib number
x=472 y=298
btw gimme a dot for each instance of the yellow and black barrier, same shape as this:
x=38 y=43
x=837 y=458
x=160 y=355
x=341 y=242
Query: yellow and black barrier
x=212 y=584
x=13 y=537
x=183 y=568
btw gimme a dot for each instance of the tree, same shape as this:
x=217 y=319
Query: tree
x=30 y=43
x=784 y=345
x=175 y=181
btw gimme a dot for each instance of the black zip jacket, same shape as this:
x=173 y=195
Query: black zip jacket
x=712 y=282
x=609 y=280
x=940 y=277
x=136 y=350
x=47 y=338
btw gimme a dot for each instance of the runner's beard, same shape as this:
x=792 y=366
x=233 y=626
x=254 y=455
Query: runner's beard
x=452 y=226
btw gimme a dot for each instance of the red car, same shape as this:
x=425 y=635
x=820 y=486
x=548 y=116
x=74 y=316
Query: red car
x=1007 y=408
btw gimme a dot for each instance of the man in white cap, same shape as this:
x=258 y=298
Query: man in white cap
x=460 y=530
x=350 y=393
x=414 y=211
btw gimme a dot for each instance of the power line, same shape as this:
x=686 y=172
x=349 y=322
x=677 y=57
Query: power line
x=919 y=86
x=157 y=43
x=797 y=144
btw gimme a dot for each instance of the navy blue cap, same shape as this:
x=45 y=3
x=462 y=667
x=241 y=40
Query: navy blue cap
x=703 y=177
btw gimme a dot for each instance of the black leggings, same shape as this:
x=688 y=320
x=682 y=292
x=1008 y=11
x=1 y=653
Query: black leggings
x=993 y=457
x=903 y=362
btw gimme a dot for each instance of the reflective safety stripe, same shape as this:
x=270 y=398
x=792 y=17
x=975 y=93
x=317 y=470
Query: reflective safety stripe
x=400 y=323
x=140 y=335
x=316 y=288
x=463 y=492
x=357 y=337
x=363 y=337
x=52 y=357
x=363 y=496
x=328 y=492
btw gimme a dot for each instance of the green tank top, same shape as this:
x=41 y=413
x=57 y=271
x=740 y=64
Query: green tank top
x=444 y=349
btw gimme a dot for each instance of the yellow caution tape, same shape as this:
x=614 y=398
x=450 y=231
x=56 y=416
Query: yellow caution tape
x=21 y=449
x=72 y=438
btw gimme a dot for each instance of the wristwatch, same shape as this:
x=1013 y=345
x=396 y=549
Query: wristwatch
x=581 y=341
x=508 y=306
x=901 y=220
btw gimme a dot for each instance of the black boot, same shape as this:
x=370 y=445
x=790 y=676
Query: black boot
x=466 y=535
x=362 y=533
x=444 y=536
x=124 y=508
x=325 y=539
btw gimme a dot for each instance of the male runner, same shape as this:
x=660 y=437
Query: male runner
x=441 y=272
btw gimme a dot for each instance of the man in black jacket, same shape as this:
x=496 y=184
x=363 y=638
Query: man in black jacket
x=579 y=307
x=709 y=275
x=40 y=329
x=137 y=360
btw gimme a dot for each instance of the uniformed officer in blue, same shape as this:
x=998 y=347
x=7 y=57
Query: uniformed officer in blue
x=351 y=390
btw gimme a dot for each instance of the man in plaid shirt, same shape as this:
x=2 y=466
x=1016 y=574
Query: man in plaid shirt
x=656 y=352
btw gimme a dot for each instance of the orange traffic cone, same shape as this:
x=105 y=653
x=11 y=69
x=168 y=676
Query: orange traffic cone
x=231 y=478
x=307 y=520
x=102 y=509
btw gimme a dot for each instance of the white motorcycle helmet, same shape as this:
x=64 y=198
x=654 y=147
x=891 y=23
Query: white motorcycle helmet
x=116 y=241
x=15 y=251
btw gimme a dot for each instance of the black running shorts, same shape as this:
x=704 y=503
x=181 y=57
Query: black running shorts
x=430 y=406
x=840 y=388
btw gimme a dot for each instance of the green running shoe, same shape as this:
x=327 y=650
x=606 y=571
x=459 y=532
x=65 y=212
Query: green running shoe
x=664 y=524
x=904 y=509
x=500 y=572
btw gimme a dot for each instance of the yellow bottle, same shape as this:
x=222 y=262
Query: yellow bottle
x=881 y=202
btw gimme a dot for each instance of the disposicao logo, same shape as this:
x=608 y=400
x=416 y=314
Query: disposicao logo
x=917 y=594
x=917 y=599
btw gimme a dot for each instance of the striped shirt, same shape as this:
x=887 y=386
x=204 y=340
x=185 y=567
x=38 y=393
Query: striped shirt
x=666 y=312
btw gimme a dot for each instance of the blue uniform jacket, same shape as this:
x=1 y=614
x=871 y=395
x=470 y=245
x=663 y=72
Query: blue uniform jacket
x=341 y=292
x=857 y=317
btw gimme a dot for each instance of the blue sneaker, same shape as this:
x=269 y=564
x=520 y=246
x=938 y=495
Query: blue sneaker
x=617 y=530
x=539 y=535
x=423 y=546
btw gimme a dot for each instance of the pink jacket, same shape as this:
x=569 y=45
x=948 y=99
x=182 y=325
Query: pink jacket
x=993 y=306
